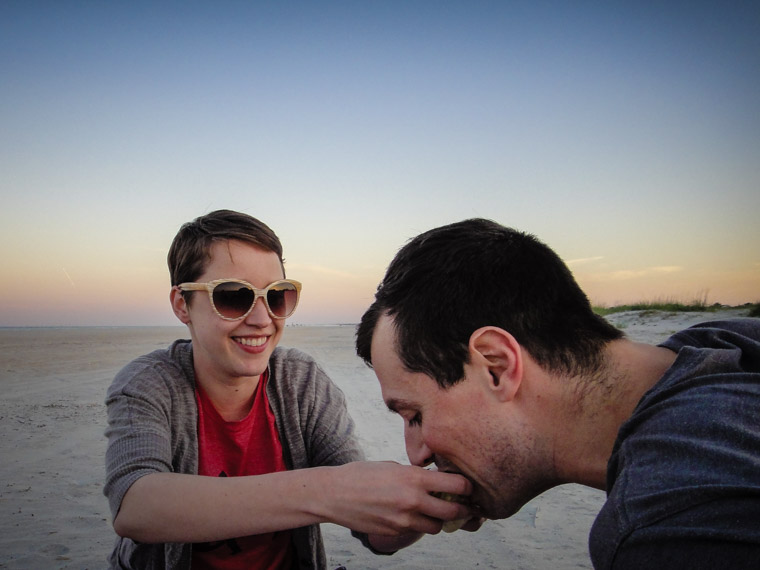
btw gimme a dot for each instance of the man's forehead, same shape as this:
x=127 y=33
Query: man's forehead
x=386 y=325
x=383 y=349
x=401 y=388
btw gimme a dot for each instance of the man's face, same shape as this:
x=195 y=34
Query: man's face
x=224 y=350
x=462 y=429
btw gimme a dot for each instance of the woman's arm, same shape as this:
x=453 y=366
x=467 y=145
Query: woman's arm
x=379 y=498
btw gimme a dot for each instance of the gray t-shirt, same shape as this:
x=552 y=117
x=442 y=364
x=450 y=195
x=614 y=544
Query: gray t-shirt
x=683 y=481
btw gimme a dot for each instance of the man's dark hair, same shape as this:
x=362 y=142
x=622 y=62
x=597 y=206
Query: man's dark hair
x=449 y=281
x=191 y=249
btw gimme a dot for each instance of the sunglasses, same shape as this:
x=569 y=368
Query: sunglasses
x=233 y=299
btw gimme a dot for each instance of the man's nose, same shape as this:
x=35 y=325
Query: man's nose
x=418 y=452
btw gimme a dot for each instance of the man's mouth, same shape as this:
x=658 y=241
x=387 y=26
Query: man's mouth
x=468 y=500
x=449 y=468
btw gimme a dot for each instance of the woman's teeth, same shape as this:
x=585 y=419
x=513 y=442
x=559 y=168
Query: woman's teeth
x=255 y=341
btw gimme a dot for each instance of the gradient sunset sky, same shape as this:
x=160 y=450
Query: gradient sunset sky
x=626 y=135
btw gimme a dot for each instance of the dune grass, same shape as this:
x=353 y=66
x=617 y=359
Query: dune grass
x=673 y=306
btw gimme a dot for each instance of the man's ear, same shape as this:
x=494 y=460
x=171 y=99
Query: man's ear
x=179 y=305
x=500 y=356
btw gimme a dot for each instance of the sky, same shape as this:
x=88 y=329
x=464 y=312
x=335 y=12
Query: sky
x=625 y=135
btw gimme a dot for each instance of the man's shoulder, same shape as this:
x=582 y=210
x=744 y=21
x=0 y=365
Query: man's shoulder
x=744 y=330
x=692 y=440
x=713 y=352
x=682 y=457
x=690 y=445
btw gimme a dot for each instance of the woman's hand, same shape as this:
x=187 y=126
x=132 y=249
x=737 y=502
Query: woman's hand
x=386 y=498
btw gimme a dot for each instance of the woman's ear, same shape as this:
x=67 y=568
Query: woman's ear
x=179 y=305
x=499 y=356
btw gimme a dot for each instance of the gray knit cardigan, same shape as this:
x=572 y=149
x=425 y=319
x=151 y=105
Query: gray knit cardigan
x=152 y=427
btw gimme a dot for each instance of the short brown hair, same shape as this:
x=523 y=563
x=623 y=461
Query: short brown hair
x=449 y=281
x=190 y=250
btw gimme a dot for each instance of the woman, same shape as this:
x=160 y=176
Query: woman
x=225 y=451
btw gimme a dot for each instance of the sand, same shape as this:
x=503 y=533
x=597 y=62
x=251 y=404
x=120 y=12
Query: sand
x=53 y=513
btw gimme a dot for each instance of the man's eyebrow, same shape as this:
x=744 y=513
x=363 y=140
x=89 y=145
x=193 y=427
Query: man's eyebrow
x=396 y=404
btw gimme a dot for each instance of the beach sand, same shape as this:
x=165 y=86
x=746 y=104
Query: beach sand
x=52 y=417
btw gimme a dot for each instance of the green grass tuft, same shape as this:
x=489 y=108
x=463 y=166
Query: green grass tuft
x=674 y=307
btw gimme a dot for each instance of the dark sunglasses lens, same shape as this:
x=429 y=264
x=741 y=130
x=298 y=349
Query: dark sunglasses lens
x=233 y=300
x=282 y=299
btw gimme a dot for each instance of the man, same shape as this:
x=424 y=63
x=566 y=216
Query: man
x=487 y=348
x=226 y=451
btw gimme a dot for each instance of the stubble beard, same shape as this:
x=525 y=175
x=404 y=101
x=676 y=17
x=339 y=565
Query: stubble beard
x=514 y=477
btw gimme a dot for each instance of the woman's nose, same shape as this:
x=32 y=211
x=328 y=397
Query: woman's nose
x=259 y=314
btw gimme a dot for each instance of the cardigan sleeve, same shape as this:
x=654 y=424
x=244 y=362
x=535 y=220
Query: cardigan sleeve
x=151 y=422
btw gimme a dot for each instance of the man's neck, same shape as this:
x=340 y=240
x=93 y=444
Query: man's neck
x=598 y=411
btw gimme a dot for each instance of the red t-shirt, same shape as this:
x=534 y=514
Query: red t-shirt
x=232 y=449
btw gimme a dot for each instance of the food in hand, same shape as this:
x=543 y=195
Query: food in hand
x=452 y=526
